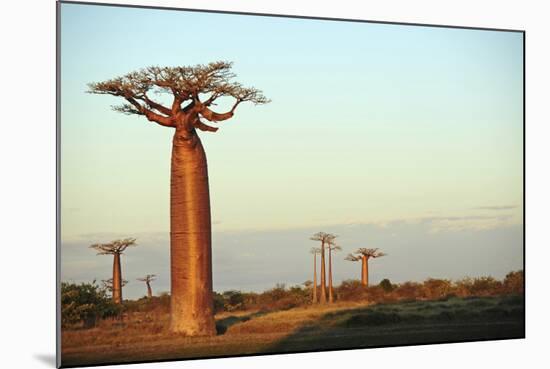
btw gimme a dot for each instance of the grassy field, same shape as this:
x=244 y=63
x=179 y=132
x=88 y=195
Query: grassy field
x=341 y=325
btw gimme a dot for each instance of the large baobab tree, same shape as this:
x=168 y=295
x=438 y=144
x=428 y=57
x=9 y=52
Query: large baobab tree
x=148 y=279
x=325 y=238
x=315 y=251
x=115 y=248
x=192 y=91
x=332 y=246
x=364 y=255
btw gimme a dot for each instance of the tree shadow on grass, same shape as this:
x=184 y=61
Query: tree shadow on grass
x=223 y=325
x=406 y=324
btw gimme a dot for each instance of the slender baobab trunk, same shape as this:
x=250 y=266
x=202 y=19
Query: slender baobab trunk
x=323 y=298
x=149 y=290
x=364 y=270
x=314 y=278
x=117 y=280
x=190 y=238
x=330 y=296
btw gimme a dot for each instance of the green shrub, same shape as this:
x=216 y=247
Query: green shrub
x=386 y=285
x=233 y=300
x=85 y=303
x=219 y=302
x=513 y=283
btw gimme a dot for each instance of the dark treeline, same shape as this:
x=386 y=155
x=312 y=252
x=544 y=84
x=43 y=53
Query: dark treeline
x=280 y=297
x=85 y=304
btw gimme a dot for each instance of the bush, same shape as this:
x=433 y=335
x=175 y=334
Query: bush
x=482 y=286
x=409 y=291
x=219 y=302
x=436 y=288
x=85 y=303
x=513 y=283
x=376 y=294
x=386 y=285
x=233 y=300
x=351 y=290
x=158 y=304
x=281 y=298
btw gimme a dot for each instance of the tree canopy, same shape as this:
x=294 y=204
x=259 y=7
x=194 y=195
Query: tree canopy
x=194 y=89
x=113 y=247
x=370 y=253
x=323 y=237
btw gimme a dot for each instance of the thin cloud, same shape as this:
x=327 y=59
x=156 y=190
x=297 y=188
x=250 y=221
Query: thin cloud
x=449 y=223
x=474 y=223
x=497 y=207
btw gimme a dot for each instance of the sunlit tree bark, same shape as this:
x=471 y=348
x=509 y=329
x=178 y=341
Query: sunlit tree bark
x=193 y=90
x=324 y=238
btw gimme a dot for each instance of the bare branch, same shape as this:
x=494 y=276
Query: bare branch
x=213 y=116
x=334 y=247
x=154 y=105
x=152 y=116
x=148 y=278
x=241 y=94
x=197 y=123
x=126 y=109
x=108 y=284
x=351 y=257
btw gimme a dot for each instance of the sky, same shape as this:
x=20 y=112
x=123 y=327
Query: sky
x=405 y=138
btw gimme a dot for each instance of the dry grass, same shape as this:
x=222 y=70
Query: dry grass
x=289 y=320
x=145 y=336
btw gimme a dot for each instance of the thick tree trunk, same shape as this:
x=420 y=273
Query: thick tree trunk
x=191 y=303
x=314 y=278
x=149 y=290
x=323 y=297
x=117 y=280
x=364 y=271
x=330 y=296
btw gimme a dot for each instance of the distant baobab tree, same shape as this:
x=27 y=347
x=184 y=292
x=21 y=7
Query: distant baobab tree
x=364 y=255
x=331 y=247
x=315 y=251
x=324 y=238
x=193 y=90
x=148 y=279
x=115 y=248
